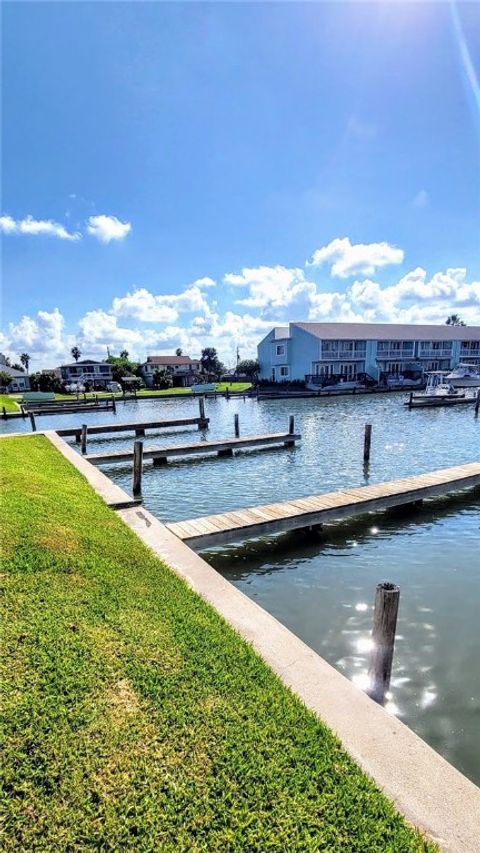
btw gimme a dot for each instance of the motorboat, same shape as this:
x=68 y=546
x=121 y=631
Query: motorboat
x=439 y=392
x=465 y=376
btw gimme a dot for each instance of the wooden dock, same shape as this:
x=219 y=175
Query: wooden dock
x=225 y=447
x=137 y=428
x=212 y=530
x=68 y=408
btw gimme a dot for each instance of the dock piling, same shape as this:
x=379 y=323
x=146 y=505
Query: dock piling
x=137 y=467
x=4 y=413
x=477 y=404
x=291 y=424
x=32 y=421
x=387 y=598
x=203 y=422
x=114 y=404
x=367 y=442
x=236 y=422
x=84 y=438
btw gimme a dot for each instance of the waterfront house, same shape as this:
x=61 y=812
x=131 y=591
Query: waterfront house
x=19 y=381
x=185 y=371
x=98 y=373
x=319 y=352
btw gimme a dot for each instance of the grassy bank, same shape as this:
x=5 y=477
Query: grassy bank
x=9 y=402
x=135 y=718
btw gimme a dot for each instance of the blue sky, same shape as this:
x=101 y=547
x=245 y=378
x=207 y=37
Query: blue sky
x=171 y=170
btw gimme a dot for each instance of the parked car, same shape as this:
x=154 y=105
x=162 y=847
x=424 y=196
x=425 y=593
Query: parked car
x=114 y=387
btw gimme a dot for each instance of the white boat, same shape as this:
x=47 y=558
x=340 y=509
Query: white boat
x=439 y=392
x=465 y=376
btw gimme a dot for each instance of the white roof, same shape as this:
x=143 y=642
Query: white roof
x=390 y=331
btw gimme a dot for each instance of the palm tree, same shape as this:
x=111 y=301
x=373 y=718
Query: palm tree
x=454 y=320
x=179 y=351
x=124 y=354
x=25 y=359
x=75 y=353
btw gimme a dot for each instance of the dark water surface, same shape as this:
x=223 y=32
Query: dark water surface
x=323 y=590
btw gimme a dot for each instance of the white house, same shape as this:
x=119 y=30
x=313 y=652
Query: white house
x=99 y=373
x=314 y=352
x=185 y=371
x=19 y=381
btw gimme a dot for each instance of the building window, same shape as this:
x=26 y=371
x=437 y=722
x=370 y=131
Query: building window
x=280 y=349
x=284 y=371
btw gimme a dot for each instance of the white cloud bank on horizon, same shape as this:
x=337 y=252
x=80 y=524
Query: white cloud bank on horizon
x=145 y=323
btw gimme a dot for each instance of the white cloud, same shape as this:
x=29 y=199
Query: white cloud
x=271 y=287
x=107 y=228
x=421 y=199
x=347 y=259
x=145 y=323
x=34 y=227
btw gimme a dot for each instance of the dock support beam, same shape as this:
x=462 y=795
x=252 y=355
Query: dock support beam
x=139 y=432
x=84 y=438
x=367 y=443
x=137 y=467
x=291 y=430
x=236 y=423
x=387 y=598
x=203 y=423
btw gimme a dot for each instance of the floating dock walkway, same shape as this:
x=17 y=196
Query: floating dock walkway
x=137 y=428
x=212 y=530
x=225 y=447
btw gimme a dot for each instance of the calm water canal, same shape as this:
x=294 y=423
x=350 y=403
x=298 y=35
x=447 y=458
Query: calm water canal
x=323 y=590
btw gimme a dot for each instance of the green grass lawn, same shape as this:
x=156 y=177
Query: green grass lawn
x=9 y=402
x=134 y=717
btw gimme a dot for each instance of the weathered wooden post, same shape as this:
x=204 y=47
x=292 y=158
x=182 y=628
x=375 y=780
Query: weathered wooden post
x=22 y=409
x=387 y=598
x=236 y=422
x=367 y=442
x=4 y=413
x=114 y=405
x=410 y=400
x=202 y=423
x=32 y=421
x=291 y=424
x=137 y=467
x=477 y=404
x=96 y=399
x=84 y=438
x=84 y=397
x=227 y=394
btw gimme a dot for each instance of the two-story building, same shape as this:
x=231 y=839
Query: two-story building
x=19 y=381
x=185 y=371
x=96 y=373
x=319 y=353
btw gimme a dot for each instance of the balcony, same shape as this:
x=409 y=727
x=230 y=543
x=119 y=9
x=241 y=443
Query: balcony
x=445 y=352
x=345 y=355
x=384 y=354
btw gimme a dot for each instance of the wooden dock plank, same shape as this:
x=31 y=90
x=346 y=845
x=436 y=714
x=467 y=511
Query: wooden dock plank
x=278 y=517
x=99 y=429
x=197 y=448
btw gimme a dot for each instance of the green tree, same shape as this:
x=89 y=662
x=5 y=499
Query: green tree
x=162 y=378
x=122 y=367
x=75 y=353
x=5 y=379
x=210 y=362
x=454 y=320
x=249 y=367
x=25 y=359
x=17 y=366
